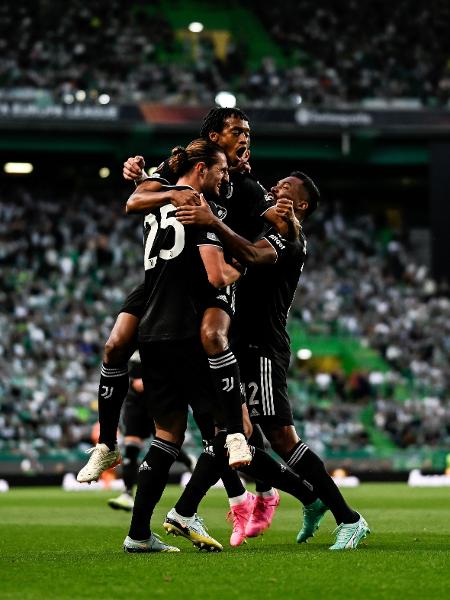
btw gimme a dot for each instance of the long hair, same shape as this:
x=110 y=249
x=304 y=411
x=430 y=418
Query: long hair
x=184 y=160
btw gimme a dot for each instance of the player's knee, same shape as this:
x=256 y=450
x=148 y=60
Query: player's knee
x=282 y=440
x=116 y=351
x=214 y=341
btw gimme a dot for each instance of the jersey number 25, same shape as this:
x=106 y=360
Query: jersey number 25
x=165 y=254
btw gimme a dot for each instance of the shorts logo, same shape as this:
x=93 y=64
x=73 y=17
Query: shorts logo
x=209 y=450
x=228 y=384
x=107 y=393
x=254 y=413
x=212 y=236
x=222 y=297
x=144 y=467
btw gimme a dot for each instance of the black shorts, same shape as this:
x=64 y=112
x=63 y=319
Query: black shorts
x=176 y=375
x=136 y=418
x=224 y=298
x=264 y=381
x=135 y=301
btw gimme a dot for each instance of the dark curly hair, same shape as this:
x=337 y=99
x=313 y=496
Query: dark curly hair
x=215 y=120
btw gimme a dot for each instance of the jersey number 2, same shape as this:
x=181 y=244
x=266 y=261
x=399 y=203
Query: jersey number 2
x=165 y=254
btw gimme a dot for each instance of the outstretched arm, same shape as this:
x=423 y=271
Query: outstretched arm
x=246 y=252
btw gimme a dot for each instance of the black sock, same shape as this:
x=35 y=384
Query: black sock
x=257 y=440
x=225 y=374
x=308 y=465
x=205 y=475
x=264 y=467
x=152 y=479
x=113 y=388
x=129 y=466
x=232 y=482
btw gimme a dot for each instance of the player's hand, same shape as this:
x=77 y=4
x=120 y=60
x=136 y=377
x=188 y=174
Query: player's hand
x=133 y=168
x=185 y=198
x=285 y=209
x=243 y=166
x=201 y=215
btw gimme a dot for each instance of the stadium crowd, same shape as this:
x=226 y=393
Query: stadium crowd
x=67 y=263
x=333 y=55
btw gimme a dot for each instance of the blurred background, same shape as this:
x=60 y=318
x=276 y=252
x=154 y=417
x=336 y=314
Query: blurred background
x=357 y=95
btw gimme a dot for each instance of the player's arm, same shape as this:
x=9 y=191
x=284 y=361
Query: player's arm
x=220 y=273
x=283 y=219
x=151 y=194
x=246 y=252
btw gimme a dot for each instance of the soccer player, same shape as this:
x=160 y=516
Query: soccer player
x=245 y=203
x=180 y=267
x=138 y=426
x=262 y=345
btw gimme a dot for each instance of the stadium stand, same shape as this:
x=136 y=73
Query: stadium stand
x=267 y=54
x=63 y=280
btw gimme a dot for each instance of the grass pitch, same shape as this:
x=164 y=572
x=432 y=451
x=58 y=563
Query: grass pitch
x=58 y=545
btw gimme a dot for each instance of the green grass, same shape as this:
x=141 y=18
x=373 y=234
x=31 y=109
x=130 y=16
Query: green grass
x=69 y=545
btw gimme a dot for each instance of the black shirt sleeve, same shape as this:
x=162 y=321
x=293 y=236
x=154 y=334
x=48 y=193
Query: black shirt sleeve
x=283 y=247
x=208 y=238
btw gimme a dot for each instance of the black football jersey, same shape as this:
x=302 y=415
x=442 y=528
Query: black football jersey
x=244 y=199
x=264 y=297
x=175 y=277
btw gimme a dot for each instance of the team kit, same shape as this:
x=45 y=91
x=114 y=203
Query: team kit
x=222 y=261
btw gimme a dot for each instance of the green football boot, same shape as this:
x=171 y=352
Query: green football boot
x=313 y=515
x=348 y=535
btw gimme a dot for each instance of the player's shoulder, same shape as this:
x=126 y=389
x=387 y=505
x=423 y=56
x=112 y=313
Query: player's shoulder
x=248 y=181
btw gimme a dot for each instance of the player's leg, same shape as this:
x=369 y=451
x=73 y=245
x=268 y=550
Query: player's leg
x=211 y=465
x=154 y=470
x=267 y=497
x=169 y=410
x=114 y=380
x=308 y=465
x=238 y=496
x=113 y=386
x=112 y=390
x=224 y=371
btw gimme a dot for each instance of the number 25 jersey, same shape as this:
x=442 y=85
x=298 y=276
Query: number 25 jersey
x=175 y=277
